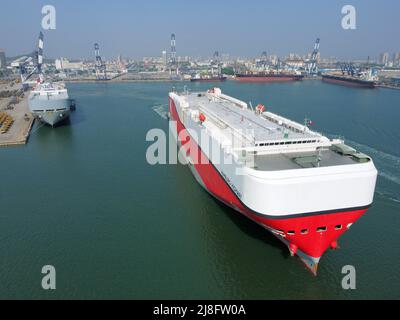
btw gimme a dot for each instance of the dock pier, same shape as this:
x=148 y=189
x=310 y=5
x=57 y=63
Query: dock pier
x=16 y=107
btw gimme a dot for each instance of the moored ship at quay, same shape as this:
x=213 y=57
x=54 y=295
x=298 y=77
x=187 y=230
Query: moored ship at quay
x=49 y=102
x=208 y=78
x=348 y=81
x=363 y=79
x=269 y=76
x=303 y=187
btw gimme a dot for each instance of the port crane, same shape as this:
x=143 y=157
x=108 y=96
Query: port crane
x=264 y=59
x=173 y=62
x=100 y=67
x=173 y=49
x=366 y=72
x=312 y=67
x=216 y=57
x=37 y=61
x=348 y=68
x=216 y=64
x=263 y=62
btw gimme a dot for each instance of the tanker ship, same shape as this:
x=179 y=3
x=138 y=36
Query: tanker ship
x=304 y=188
x=362 y=80
x=264 y=76
x=208 y=78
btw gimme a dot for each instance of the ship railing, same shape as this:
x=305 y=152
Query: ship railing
x=283 y=149
x=237 y=102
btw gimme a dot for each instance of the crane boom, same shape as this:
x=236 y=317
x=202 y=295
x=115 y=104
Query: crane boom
x=313 y=63
x=100 y=67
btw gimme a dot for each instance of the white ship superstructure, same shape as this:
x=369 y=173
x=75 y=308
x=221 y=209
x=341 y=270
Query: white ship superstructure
x=303 y=187
x=50 y=103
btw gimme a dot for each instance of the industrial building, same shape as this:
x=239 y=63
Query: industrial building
x=3 y=63
x=65 y=64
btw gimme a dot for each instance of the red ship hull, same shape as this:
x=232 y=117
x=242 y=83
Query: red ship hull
x=301 y=233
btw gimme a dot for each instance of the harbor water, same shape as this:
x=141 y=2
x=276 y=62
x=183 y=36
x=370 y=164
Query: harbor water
x=83 y=198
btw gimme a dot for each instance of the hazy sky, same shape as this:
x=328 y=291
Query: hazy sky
x=136 y=28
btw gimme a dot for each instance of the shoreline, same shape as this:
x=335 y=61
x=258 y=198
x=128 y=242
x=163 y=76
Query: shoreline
x=122 y=81
x=388 y=87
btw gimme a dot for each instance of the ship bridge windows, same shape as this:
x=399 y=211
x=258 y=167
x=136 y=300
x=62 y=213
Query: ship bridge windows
x=322 y=229
x=282 y=143
x=338 y=227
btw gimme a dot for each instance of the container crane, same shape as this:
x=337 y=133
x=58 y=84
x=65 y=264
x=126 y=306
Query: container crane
x=100 y=67
x=312 y=67
x=37 y=63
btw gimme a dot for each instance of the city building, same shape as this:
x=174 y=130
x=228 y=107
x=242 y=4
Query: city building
x=293 y=56
x=3 y=63
x=65 y=64
x=273 y=59
x=384 y=58
x=295 y=63
x=396 y=59
x=121 y=64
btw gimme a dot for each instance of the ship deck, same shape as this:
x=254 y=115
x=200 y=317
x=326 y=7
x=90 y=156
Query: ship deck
x=278 y=143
x=263 y=130
x=277 y=162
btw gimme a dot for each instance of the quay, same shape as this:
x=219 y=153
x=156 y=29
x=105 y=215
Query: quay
x=388 y=86
x=14 y=106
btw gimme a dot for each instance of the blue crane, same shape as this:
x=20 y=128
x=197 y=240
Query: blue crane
x=312 y=68
x=100 y=67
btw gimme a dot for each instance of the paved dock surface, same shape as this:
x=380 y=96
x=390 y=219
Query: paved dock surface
x=19 y=111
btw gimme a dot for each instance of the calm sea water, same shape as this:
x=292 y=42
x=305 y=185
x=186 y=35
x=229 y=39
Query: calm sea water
x=82 y=197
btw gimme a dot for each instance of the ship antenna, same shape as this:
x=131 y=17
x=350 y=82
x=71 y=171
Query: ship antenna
x=307 y=123
x=251 y=105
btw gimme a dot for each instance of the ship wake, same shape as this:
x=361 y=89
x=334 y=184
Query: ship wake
x=388 y=166
x=161 y=110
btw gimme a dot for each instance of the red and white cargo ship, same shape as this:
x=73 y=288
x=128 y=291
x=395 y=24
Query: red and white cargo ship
x=303 y=187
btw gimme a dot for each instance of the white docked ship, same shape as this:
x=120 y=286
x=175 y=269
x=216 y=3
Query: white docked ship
x=50 y=103
x=298 y=184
